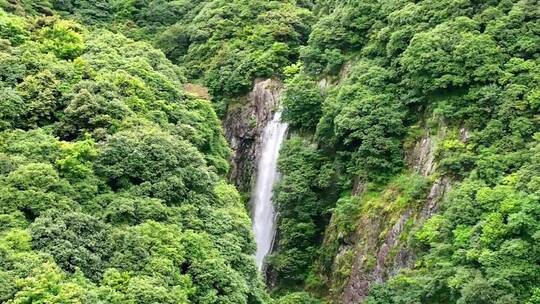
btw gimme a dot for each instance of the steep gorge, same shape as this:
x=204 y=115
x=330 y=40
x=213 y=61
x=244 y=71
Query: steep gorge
x=255 y=133
x=244 y=124
x=408 y=171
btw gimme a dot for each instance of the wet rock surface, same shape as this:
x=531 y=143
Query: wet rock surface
x=244 y=125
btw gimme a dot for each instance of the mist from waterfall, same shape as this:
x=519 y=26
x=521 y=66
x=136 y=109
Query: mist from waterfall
x=264 y=215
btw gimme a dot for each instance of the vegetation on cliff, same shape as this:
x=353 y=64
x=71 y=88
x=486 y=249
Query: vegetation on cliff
x=389 y=70
x=113 y=177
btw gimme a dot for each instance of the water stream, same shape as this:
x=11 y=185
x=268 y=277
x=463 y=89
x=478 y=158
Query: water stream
x=263 y=208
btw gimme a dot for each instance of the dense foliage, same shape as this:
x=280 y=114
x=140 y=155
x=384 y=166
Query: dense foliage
x=374 y=74
x=111 y=176
x=300 y=201
x=223 y=44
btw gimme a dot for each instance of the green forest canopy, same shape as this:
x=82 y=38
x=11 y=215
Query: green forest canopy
x=404 y=66
x=112 y=176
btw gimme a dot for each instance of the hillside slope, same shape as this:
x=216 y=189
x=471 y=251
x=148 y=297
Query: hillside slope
x=422 y=118
x=411 y=173
x=112 y=178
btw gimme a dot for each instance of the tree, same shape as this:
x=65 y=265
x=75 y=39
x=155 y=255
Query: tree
x=154 y=163
x=298 y=298
x=61 y=37
x=48 y=284
x=302 y=102
x=75 y=240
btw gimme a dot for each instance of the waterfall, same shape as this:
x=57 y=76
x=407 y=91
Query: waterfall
x=267 y=175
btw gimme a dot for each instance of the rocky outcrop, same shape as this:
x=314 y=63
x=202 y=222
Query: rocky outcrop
x=383 y=250
x=244 y=124
x=438 y=190
x=422 y=157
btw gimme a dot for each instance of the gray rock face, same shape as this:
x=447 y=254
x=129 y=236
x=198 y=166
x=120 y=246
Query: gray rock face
x=386 y=264
x=422 y=157
x=388 y=247
x=244 y=125
x=437 y=192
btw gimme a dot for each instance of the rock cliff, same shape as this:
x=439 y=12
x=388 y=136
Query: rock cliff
x=386 y=237
x=243 y=126
x=379 y=248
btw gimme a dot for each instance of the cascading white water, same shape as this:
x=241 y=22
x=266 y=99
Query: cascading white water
x=267 y=175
